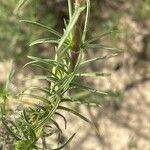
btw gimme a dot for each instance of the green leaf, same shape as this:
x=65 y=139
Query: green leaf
x=77 y=85
x=75 y=113
x=61 y=147
x=42 y=26
x=93 y=74
x=80 y=101
x=100 y=46
x=99 y=58
x=44 y=68
x=44 y=90
x=9 y=130
x=49 y=62
x=86 y=20
x=45 y=40
x=51 y=112
x=40 y=77
x=45 y=100
x=57 y=125
x=100 y=36
x=65 y=121
x=65 y=84
x=30 y=128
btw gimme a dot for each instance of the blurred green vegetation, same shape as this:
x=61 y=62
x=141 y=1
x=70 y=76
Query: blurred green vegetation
x=15 y=36
x=107 y=15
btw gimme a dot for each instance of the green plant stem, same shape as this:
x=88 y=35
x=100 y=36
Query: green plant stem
x=70 y=8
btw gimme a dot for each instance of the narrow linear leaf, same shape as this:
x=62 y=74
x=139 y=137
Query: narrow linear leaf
x=100 y=36
x=75 y=113
x=38 y=98
x=86 y=20
x=45 y=40
x=93 y=74
x=99 y=58
x=81 y=94
x=80 y=101
x=44 y=90
x=48 y=62
x=9 y=130
x=65 y=121
x=42 y=26
x=84 y=101
x=29 y=126
x=44 y=68
x=57 y=125
x=36 y=88
x=100 y=46
x=65 y=84
x=52 y=111
x=40 y=77
x=88 y=88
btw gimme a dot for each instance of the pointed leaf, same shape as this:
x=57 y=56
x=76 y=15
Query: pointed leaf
x=86 y=20
x=65 y=121
x=38 y=77
x=100 y=36
x=99 y=58
x=93 y=74
x=89 y=88
x=31 y=130
x=45 y=40
x=100 y=46
x=75 y=113
x=42 y=26
x=9 y=130
x=38 y=98
x=47 y=62
x=57 y=125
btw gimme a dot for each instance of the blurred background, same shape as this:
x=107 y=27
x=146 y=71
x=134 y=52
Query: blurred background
x=123 y=119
